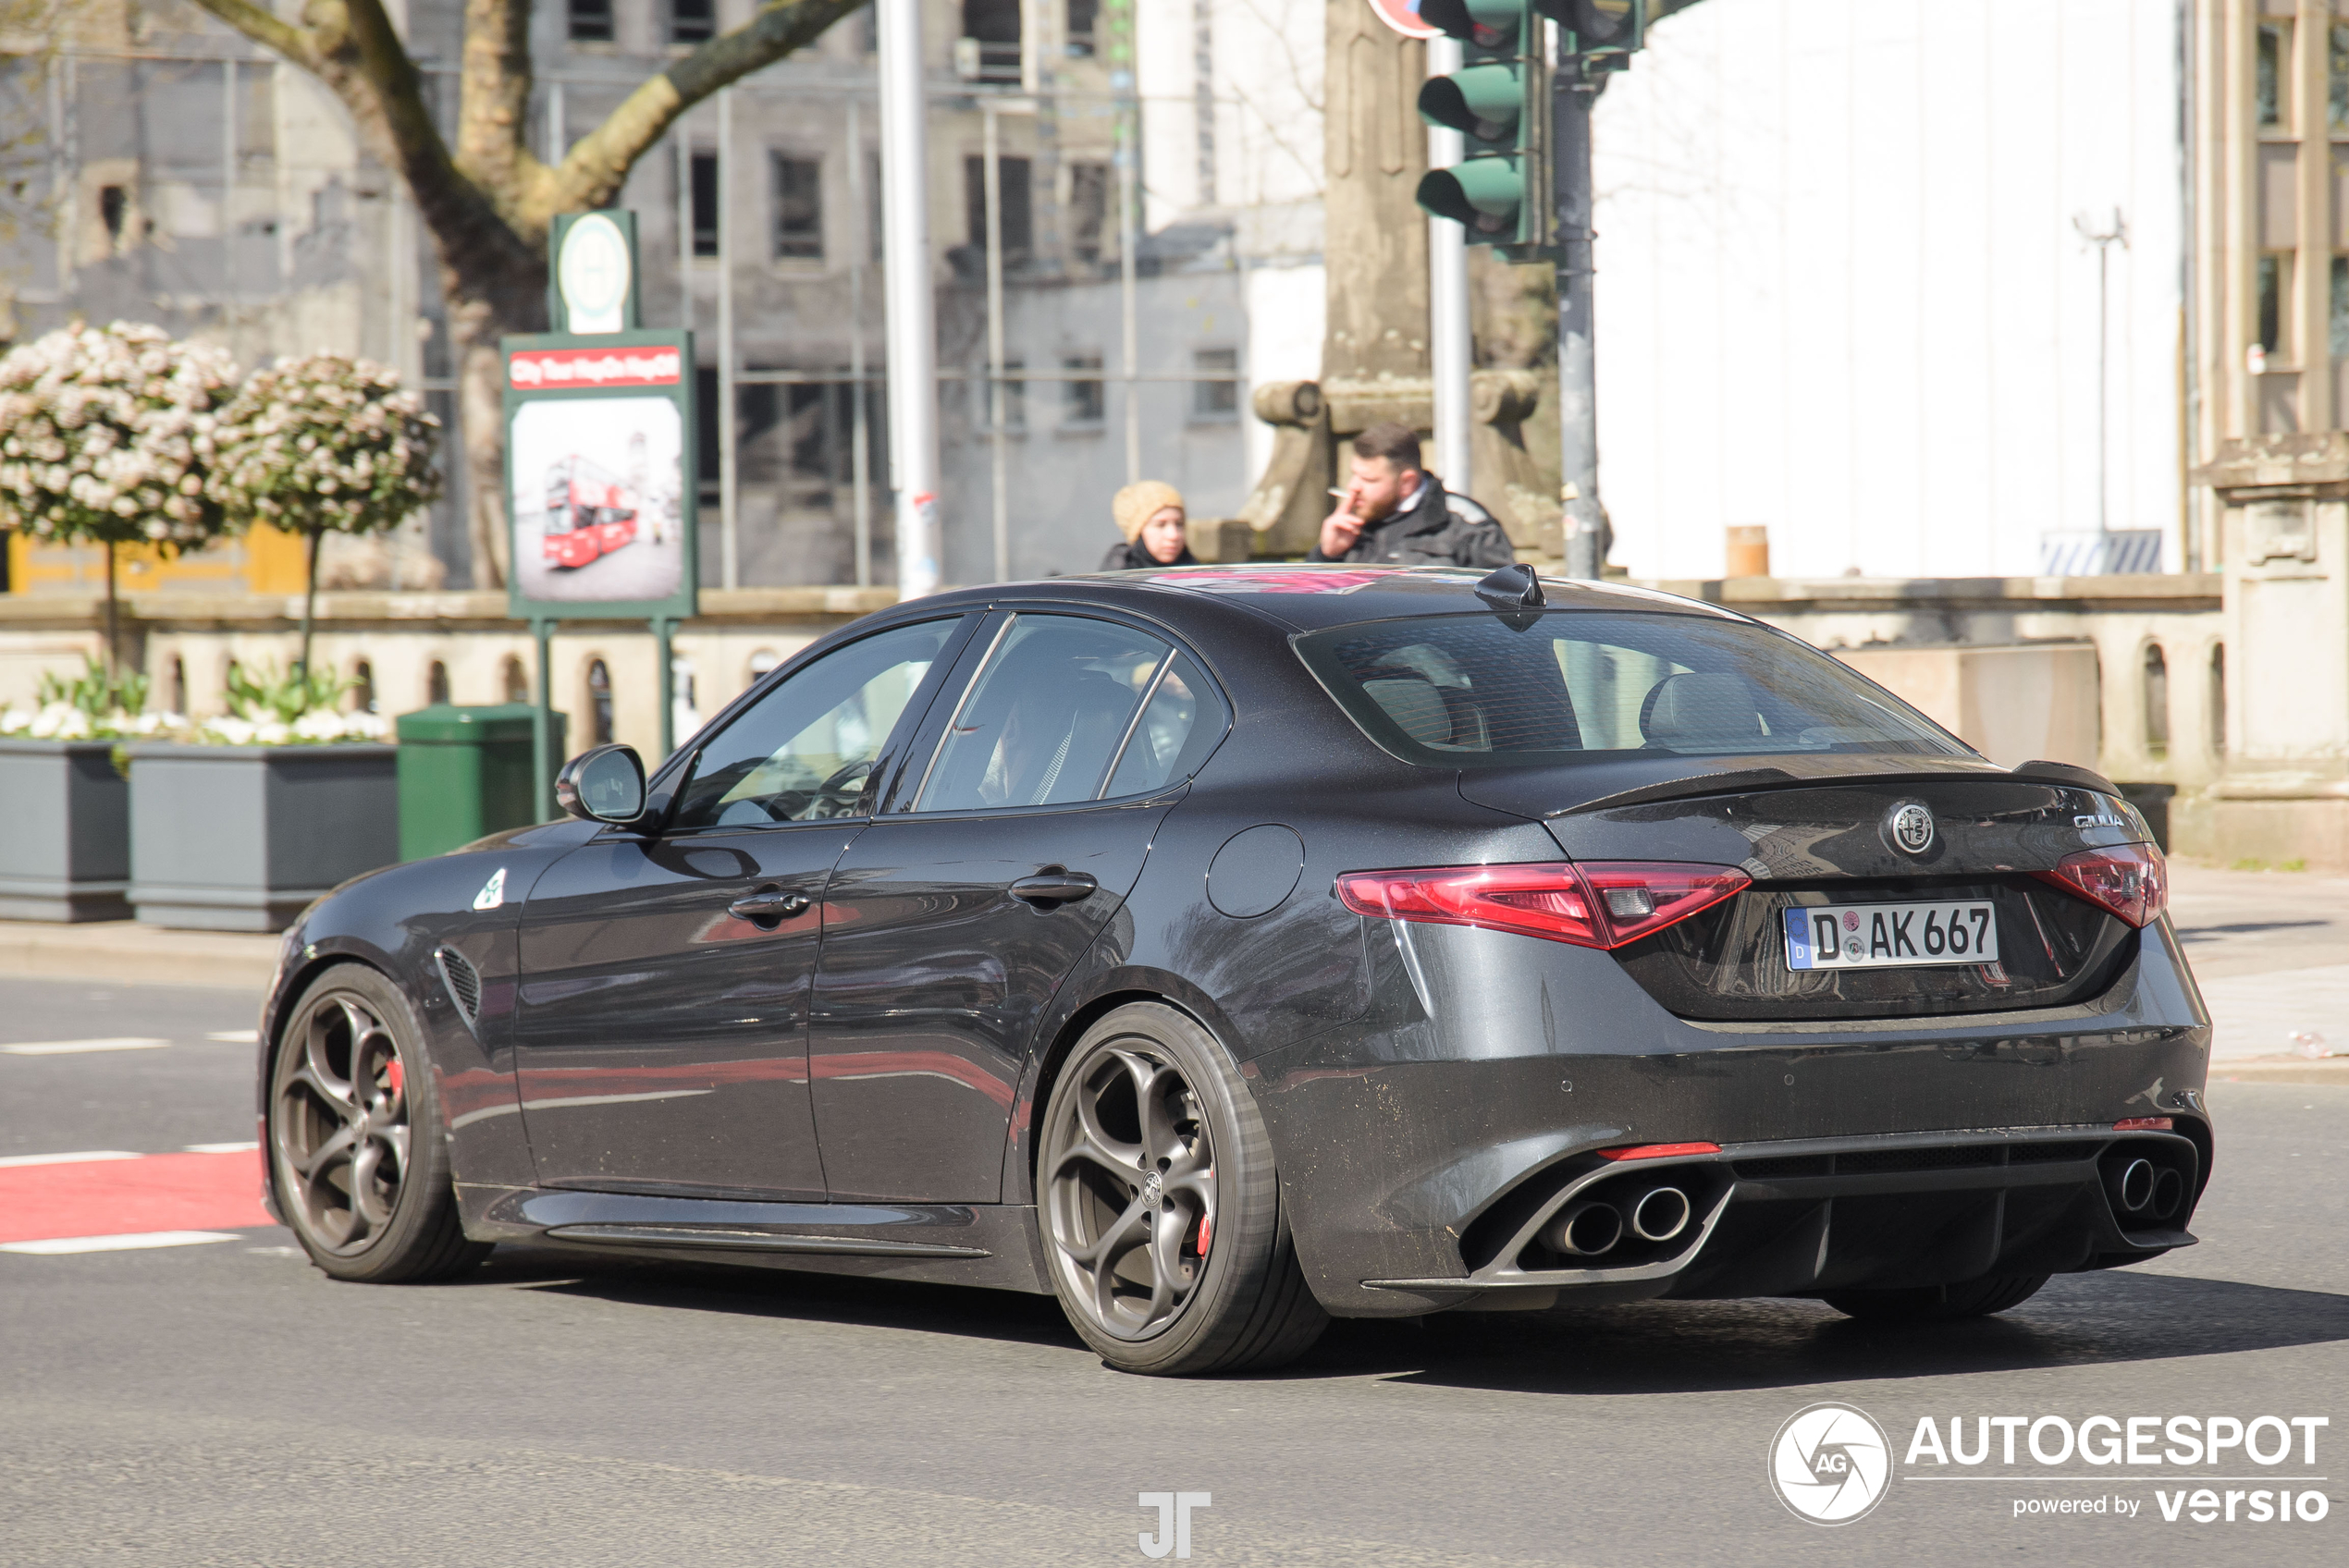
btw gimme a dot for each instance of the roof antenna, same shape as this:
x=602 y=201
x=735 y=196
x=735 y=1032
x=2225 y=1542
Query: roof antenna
x=1517 y=587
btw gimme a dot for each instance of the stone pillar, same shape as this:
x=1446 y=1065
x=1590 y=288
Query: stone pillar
x=1375 y=352
x=2282 y=794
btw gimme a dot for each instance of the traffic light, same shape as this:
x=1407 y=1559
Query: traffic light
x=1499 y=101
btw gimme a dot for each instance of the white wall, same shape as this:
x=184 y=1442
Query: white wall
x=1841 y=292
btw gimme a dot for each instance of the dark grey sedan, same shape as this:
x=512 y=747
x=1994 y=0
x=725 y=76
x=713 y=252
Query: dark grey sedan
x=1223 y=949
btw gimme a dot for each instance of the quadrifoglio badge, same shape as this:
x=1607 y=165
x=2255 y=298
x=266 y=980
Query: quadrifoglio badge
x=1831 y=1464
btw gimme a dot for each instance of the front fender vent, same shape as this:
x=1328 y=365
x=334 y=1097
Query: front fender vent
x=463 y=981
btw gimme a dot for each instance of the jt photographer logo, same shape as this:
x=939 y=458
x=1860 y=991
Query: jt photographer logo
x=1831 y=1464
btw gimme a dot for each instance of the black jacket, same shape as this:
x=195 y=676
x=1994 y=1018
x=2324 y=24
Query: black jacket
x=1441 y=530
x=1123 y=557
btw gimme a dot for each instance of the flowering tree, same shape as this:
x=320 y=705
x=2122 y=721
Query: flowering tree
x=326 y=444
x=108 y=437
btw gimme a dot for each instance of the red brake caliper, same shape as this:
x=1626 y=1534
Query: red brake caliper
x=392 y=1071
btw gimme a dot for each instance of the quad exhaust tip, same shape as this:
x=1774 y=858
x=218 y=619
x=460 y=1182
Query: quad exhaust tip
x=2143 y=1190
x=1660 y=1214
x=1589 y=1228
x=1584 y=1230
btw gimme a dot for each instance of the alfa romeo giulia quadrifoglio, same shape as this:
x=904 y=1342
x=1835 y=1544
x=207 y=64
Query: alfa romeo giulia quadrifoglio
x=1224 y=948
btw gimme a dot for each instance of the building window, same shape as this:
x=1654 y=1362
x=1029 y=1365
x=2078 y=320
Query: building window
x=2337 y=76
x=1084 y=402
x=114 y=210
x=799 y=209
x=702 y=198
x=989 y=50
x=598 y=704
x=362 y=687
x=1218 y=398
x=179 y=684
x=2275 y=287
x=1011 y=174
x=1087 y=209
x=517 y=681
x=2270 y=73
x=691 y=21
x=1083 y=14
x=1014 y=388
x=2157 y=695
x=590 y=21
x=435 y=683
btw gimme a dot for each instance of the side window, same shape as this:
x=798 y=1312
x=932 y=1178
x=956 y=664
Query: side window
x=1045 y=717
x=1180 y=724
x=802 y=752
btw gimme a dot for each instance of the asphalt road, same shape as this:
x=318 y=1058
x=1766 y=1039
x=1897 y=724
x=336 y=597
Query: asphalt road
x=226 y=1404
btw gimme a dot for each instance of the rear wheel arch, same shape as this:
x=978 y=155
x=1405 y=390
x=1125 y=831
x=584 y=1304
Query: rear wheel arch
x=1054 y=1057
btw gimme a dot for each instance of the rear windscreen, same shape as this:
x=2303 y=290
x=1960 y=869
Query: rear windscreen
x=1487 y=691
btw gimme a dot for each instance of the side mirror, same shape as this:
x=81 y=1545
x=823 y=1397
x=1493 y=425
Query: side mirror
x=603 y=785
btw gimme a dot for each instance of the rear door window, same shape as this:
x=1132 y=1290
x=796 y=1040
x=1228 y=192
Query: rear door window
x=1483 y=690
x=1067 y=708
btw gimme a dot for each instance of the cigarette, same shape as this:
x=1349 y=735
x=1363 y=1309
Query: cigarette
x=1341 y=495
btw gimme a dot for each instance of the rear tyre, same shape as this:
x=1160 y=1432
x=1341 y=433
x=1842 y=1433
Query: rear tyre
x=1162 y=1216
x=355 y=1146
x=1939 y=1303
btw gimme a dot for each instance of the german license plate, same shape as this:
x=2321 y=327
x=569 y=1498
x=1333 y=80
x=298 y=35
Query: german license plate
x=1890 y=935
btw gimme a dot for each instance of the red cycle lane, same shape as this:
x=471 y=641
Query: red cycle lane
x=118 y=1198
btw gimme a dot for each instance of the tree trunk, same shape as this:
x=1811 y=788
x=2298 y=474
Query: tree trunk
x=481 y=418
x=308 y=609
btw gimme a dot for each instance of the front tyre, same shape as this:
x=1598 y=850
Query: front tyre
x=1939 y=1303
x=355 y=1144
x=1160 y=1208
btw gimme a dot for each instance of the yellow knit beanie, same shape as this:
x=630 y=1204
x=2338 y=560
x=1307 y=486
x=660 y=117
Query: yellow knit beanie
x=1137 y=504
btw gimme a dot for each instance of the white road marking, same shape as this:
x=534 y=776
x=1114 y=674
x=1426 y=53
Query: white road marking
x=220 y=1148
x=72 y=1047
x=117 y=1243
x=75 y=1158
x=235 y=1036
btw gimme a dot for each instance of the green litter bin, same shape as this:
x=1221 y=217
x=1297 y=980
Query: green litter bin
x=466 y=772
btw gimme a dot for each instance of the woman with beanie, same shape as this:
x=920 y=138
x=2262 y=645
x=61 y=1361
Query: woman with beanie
x=1150 y=516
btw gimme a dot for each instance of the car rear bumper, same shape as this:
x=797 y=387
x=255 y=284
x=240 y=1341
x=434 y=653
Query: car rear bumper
x=1419 y=1147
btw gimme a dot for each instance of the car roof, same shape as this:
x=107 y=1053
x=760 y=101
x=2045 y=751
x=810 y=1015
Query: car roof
x=1304 y=597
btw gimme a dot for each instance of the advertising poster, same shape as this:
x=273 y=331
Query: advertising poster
x=600 y=502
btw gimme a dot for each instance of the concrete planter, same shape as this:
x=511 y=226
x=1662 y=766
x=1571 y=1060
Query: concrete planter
x=240 y=837
x=65 y=831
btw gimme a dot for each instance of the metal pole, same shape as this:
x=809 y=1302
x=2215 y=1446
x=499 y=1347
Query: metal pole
x=729 y=543
x=1578 y=392
x=913 y=330
x=228 y=189
x=860 y=452
x=685 y=256
x=66 y=193
x=1129 y=241
x=992 y=183
x=1448 y=331
x=557 y=131
x=542 y=721
x=664 y=629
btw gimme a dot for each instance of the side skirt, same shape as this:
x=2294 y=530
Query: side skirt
x=993 y=1246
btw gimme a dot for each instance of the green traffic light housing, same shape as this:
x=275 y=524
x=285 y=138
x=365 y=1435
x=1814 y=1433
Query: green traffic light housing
x=1486 y=195
x=1484 y=102
x=1491 y=25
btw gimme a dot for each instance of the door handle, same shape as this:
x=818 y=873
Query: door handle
x=1048 y=888
x=761 y=908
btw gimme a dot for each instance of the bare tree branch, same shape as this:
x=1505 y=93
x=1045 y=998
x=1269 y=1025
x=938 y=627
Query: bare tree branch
x=599 y=163
x=256 y=23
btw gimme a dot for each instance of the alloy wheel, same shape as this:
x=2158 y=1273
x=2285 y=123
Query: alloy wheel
x=1129 y=1172
x=339 y=1129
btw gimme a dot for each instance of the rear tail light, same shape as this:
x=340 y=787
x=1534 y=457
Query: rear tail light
x=2143 y=1124
x=2132 y=880
x=1590 y=904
